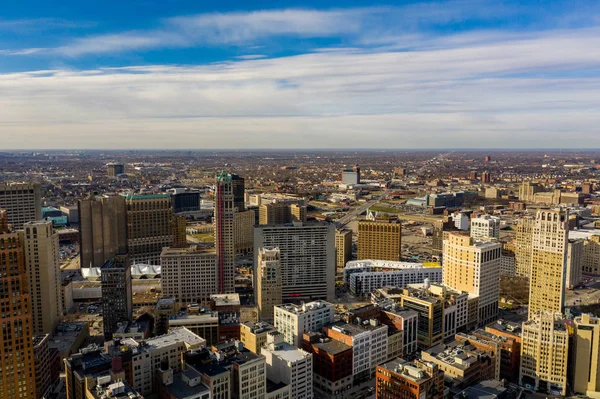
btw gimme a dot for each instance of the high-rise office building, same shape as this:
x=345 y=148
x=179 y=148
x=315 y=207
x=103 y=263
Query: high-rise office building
x=117 y=302
x=522 y=245
x=298 y=213
x=351 y=176
x=527 y=191
x=474 y=266
x=268 y=282
x=149 y=226
x=185 y=200
x=307 y=258
x=343 y=247
x=40 y=245
x=179 y=232
x=17 y=363
x=225 y=207
x=188 y=274
x=238 y=188
x=281 y=212
x=575 y=254
x=485 y=227
x=381 y=240
x=47 y=365
x=244 y=232
x=544 y=353
x=102 y=229
x=22 y=203
x=591 y=255
x=114 y=169
x=548 y=261
x=586 y=359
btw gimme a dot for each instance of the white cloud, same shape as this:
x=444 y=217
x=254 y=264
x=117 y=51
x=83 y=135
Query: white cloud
x=364 y=26
x=504 y=92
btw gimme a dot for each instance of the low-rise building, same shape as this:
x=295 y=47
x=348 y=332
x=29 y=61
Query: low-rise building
x=369 y=342
x=332 y=365
x=294 y=320
x=364 y=276
x=254 y=335
x=289 y=365
x=401 y=379
x=462 y=365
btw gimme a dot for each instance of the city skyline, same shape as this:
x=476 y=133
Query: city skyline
x=357 y=74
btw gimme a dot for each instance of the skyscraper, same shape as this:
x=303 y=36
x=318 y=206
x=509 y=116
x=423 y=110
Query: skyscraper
x=343 y=247
x=116 y=294
x=114 y=169
x=548 y=261
x=268 y=282
x=522 y=245
x=188 y=275
x=544 y=353
x=40 y=245
x=244 y=232
x=381 y=240
x=238 y=188
x=22 y=203
x=149 y=226
x=102 y=229
x=586 y=365
x=224 y=230
x=307 y=258
x=17 y=362
x=474 y=266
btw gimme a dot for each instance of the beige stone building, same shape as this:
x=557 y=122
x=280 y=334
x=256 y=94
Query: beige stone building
x=381 y=240
x=522 y=244
x=244 y=232
x=586 y=373
x=103 y=229
x=298 y=213
x=591 y=255
x=268 y=282
x=254 y=335
x=474 y=266
x=179 y=232
x=281 y=212
x=548 y=261
x=527 y=191
x=544 y=353
x=149 y=226
x=343 y=247
x=188 y=274
x=40 y=245
x=22 y=202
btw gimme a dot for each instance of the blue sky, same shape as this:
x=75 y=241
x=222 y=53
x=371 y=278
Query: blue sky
x=260 y=74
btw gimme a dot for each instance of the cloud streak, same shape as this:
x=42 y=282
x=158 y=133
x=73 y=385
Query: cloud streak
x=476 y=93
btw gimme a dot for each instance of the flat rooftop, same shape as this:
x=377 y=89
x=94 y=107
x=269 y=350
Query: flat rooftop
x=180 y=389
x=289 y=353
x=406 y=368
x=354 y=329
x=225 y=299
x=259 y=327
x=332 y=346
x=305 y=308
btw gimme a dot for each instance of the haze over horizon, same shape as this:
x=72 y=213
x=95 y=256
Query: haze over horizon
x=397 y=75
